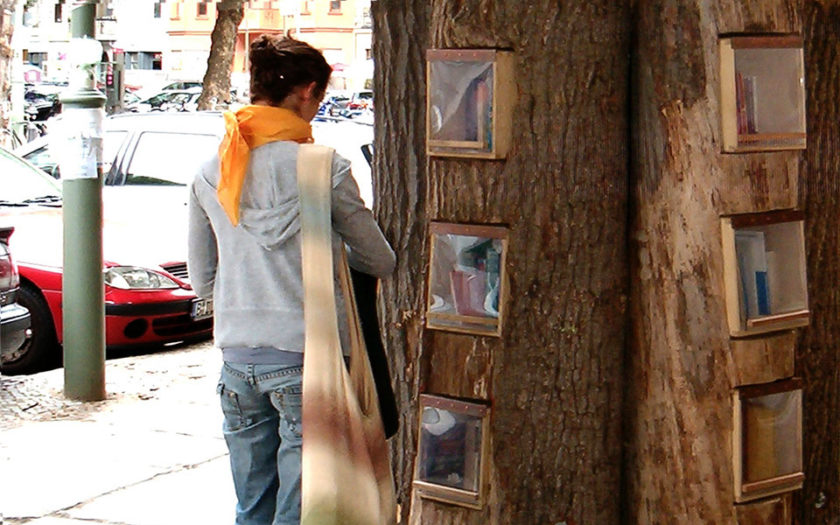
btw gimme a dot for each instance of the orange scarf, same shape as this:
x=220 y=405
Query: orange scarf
x=251 y=127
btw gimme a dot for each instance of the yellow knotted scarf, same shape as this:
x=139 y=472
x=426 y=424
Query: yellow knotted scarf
x=249 y=128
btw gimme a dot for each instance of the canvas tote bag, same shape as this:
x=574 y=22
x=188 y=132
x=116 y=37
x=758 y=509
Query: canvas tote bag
x=346 y=471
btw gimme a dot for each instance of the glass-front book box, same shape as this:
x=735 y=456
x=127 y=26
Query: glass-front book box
x=470 y=97
x=452 y=450
x=762 y=93
x=764 y=271
x=767 y=439
x=467 y=284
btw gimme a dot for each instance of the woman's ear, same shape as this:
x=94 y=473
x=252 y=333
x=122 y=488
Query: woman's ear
x=310 y=91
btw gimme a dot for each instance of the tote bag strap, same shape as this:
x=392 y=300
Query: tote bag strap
x=314 y=167
x=314 y=184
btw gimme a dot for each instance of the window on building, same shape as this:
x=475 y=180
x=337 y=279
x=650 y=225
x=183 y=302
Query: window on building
x=37 y=58
x=143 y=60
x=29 y=20
x=202 y=8
x=368 y=54
x=335 y=6
x=365 y=20
x=158 y=8
x=59 y=7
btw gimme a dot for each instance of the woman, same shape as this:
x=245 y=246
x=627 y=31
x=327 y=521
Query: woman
x=245 y=253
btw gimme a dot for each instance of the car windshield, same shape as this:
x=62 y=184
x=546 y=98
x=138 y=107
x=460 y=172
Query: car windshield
x=42 y=158
x=159 y=158
x=160 y=98
x=23 y=184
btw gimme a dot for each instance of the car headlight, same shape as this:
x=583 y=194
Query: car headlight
x=134 y=278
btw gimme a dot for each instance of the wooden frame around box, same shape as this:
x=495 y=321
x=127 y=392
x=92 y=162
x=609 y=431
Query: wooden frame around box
x=468 y=324
x=746 y=490
x=501 y=104
x=795 y=285
x=739 y=111
x=449 y=494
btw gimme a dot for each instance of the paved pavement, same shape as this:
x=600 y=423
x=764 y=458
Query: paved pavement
x=152 y=453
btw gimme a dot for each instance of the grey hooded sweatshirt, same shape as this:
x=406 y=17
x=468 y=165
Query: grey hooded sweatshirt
x=253 y=271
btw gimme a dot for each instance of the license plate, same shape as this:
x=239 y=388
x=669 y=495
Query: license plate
x=202 y=309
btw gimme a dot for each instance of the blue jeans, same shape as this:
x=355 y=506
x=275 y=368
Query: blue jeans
x=262 y=428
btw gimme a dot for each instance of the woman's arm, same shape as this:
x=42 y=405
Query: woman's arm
x=369 y=251
x=202 y=257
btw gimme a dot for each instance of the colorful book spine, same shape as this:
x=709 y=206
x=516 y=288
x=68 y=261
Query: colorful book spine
x=762 y=292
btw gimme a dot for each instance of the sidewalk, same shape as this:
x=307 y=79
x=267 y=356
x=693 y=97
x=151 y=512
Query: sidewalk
x=152 y=453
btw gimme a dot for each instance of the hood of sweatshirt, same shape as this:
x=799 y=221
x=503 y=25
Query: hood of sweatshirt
x=269 y=208
x=274 y=226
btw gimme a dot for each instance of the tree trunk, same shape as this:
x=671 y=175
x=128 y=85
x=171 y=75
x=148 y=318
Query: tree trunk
x=216 y=89
x=817 y=360
x=554 y=377
x=400 y=38
x=680 y=367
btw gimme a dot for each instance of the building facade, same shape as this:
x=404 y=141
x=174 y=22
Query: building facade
x=167 y=40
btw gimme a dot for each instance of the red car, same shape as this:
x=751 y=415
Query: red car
x=148 y=299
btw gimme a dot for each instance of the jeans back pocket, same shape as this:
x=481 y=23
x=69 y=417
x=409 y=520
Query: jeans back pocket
x=289 y=404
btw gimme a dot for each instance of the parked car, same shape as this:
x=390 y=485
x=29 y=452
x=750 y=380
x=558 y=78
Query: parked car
x=333 y=104
x=361 y=100
x=148 y=299
x=14 y=318
x=161 y=101
x=182 y=85
x=132 y=141
x=189 y=103
x=41 y=104
x=130 y=98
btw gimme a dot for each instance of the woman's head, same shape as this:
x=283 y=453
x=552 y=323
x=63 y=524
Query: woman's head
x=280 y=65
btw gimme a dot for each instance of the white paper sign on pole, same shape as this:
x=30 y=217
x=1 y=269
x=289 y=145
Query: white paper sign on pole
x=78 y=143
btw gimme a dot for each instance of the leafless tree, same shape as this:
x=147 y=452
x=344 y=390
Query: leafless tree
x=229 y=14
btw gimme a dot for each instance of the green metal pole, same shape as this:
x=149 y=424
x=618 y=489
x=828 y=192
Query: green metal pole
x=83 y=302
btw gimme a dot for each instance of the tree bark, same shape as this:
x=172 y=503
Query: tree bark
x=554 y=377
x=216 y=90
x=680 y=367
x=400 y=38
x=817 y=359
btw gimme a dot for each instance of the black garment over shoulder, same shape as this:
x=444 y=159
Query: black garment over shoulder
x=364 y=288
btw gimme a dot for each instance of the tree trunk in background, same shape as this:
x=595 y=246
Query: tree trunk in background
x=555 y=376
x=229 y=14
x=6 y=54
x=817 y=360
x=680 y=367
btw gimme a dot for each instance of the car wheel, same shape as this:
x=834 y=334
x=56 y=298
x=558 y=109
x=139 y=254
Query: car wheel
x=41 y=350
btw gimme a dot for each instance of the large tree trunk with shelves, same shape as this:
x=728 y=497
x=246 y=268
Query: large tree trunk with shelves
x=554 y=378
x=216 y=89
x=817 y=358
x=681 y=371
